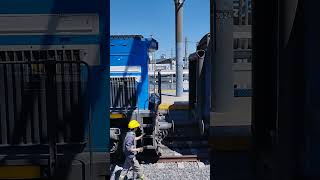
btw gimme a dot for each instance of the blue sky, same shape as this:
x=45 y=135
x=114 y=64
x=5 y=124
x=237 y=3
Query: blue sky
x=156 y=18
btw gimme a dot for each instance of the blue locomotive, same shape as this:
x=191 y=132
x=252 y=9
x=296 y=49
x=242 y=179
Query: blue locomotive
x=129 y=91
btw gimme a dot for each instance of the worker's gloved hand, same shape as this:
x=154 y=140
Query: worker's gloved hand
x=140 y=149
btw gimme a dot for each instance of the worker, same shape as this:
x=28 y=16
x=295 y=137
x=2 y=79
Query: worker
x=130 y=151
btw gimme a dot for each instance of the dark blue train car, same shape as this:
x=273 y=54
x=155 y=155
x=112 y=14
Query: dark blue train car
x=286 y=90
x=54 y=72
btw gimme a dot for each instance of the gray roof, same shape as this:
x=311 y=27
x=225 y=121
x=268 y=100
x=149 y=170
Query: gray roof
x=126 y=36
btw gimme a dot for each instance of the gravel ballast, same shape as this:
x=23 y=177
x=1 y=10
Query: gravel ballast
x=171 y=171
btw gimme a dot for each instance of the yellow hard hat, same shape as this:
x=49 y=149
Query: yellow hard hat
x=133 y=124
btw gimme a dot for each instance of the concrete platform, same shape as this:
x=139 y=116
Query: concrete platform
x=171 y=102
x=169 y=97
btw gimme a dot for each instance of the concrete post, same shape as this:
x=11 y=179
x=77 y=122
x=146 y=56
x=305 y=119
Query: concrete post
x=179 y=47
x=222 y=57
x=186 y=52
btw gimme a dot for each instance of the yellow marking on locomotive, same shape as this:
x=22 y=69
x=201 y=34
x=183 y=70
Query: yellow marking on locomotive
x=20 y=172
x=117 y=116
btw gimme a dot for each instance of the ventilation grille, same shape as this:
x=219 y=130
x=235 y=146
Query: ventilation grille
x=25 y=97
x=123 y=93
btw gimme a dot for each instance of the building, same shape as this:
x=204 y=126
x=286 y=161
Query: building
x=166 y=64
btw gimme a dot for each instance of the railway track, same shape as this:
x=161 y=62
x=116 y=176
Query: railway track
x=185 y=144
x=190 y=148
x=169 y=155
x=176 y=158
x=183 y=158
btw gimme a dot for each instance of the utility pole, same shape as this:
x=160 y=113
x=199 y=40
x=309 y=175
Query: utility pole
x=186 y=52
x=179 y=46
